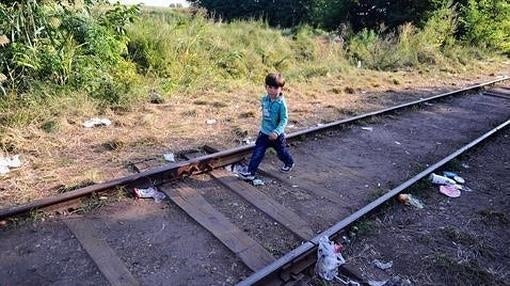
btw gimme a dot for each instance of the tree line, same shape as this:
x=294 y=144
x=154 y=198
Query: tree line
x=485 y=23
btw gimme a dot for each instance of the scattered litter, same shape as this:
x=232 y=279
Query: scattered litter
x=454 y=176
x=428 y=104
x=155 y=97
x=93 y=122
x=459 y=179
x=328 y=260
x=169 y=157
x=465 y=166
x=295 y=186
x=103 y=198
x=394 y=281
x=451 y=191
x=12 y=162
x=320 y=124
x=382 y=265
x=247 y=141
x=377 y=283
x=235 y=168
x=368 y=128
x=449 y=174
x=450 y=184
x=151 y=192
x=441 y=180
x=398 y=143
x=210 y=121
x=291 y=126
x=465 y=188
x=257 y=182
x=347 y=281
x=4 y=170
x=408 y=199
x=6 y=163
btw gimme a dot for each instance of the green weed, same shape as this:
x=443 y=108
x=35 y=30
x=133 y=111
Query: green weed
x=452 y=272
x=492 y=217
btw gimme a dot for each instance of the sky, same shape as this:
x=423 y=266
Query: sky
x=158 y=3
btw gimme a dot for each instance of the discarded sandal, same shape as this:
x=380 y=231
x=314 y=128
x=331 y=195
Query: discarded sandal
x=450 y=191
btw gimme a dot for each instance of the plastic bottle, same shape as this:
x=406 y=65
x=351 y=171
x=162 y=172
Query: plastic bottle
x=408 y=199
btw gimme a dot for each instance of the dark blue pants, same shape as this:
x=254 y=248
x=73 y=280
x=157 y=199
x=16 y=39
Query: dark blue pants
x=261 y=145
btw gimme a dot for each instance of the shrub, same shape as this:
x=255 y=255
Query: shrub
x=65 y=44
x=486 y=23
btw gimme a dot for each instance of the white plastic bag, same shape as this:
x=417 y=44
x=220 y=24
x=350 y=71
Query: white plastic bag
x=236 y=168
x=150 y=192
x=7 y=163
x=169 y=157
x=328 y=260
x=93 y=122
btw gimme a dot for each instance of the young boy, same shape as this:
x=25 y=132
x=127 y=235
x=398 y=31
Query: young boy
x=274 y=120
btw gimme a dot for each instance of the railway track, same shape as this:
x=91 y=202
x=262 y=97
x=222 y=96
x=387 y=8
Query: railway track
x=236 y=232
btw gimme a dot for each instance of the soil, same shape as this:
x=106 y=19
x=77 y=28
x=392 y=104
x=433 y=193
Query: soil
x=159 y=243
x=45 y=254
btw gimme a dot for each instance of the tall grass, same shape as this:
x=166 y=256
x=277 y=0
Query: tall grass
x=433 y=45
x=189 y=52
x=113 y=63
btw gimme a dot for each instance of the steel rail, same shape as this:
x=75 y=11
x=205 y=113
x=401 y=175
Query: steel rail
x=309 y=247
x=211 y=161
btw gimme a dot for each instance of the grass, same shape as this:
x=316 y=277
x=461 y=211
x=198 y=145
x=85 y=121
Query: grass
x=452 y=272
x=65 y=189
x=375 y=194
x=493 y=217
x=476 y=245
x=209 y=57
x=97 y=201
x=421 y=187
x=458 y=236
x=363 y=227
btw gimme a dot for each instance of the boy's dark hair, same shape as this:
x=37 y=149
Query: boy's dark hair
x=275 y=79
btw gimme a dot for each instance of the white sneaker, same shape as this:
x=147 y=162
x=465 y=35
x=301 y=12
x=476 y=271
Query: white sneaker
x=287 y=169
x=245 y=175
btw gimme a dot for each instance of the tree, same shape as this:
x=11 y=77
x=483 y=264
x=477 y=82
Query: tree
x=486 y=23
x=283 y=13
x=371 y=14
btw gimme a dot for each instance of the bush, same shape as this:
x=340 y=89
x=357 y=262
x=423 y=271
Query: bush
x=65 y=44
x=409 y=46
x=486 y=23
x=203 y=53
